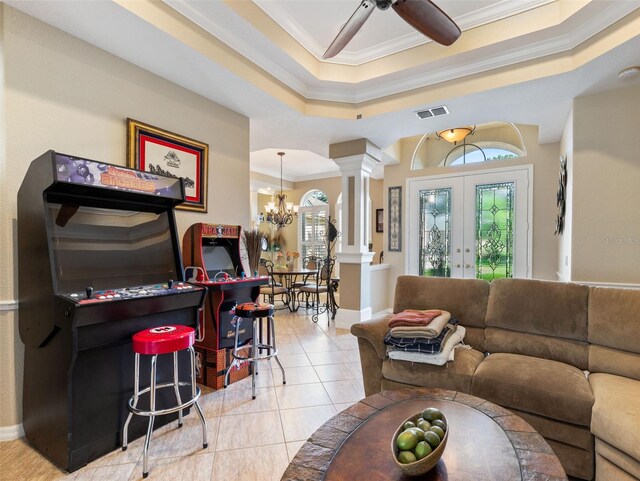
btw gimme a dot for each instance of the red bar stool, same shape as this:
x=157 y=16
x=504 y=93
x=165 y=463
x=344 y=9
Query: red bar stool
x=256 y=312
x=153 y=342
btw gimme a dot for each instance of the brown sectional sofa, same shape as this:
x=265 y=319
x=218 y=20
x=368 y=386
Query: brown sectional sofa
x=564 y=357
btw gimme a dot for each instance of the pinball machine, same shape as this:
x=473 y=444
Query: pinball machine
x=99 y=260
x=212 y=259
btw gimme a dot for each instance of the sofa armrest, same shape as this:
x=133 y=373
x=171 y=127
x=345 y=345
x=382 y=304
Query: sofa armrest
x=374 y=331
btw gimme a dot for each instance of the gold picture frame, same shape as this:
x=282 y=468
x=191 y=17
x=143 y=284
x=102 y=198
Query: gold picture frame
x=155 y=150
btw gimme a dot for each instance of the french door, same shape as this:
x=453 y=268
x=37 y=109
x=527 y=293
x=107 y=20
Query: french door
x=474 y=225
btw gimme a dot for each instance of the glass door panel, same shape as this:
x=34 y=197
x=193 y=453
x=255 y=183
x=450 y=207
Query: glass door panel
x=494 y=230
x=471 y=226
x=435 y=227
x=435 y=233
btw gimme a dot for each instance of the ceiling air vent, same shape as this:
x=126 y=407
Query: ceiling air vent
x=434 y=112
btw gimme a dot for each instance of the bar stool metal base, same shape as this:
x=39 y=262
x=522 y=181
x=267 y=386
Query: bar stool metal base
x=255 y=312
x=152 y=412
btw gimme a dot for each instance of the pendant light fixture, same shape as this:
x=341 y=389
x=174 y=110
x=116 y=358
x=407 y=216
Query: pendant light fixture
x=280 y=213
x=455 y=135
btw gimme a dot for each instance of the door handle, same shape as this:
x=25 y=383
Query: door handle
x=457 y=266
x=467 y=250
x=458 y=250
x=468 y=266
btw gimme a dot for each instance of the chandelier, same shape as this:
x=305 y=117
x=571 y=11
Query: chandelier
x=281 y=213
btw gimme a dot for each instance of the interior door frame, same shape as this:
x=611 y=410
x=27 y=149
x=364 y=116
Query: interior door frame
x=411 y=201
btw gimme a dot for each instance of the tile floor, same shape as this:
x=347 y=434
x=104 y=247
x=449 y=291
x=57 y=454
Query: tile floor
x=248 y=439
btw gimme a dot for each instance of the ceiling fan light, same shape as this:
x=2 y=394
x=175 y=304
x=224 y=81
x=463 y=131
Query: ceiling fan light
x=456 y=134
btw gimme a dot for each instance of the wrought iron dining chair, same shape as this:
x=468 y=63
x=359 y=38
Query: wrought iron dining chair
x=273 y=288
x=311 y=263
x=321 y=286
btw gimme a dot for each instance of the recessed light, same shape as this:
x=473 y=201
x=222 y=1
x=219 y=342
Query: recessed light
x=628 y=72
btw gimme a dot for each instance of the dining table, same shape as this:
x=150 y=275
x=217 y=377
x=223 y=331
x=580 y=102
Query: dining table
x=289 y=277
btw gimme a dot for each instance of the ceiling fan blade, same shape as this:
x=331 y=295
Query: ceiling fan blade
x=427 y=18
x=350 y=28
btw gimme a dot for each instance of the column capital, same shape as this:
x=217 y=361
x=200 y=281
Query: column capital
x=357 y=163
x=355 y=257
x=355 y=155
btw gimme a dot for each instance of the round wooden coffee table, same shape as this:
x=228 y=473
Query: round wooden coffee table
x=486 y=442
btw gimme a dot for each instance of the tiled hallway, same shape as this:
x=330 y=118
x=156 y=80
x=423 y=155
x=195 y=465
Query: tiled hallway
x=248 y=439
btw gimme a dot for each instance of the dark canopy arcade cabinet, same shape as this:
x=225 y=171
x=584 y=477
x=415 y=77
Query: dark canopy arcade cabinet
x=212 y=259
x=99 y=260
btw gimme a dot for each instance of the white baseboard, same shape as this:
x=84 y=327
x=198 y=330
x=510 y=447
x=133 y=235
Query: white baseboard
x=345 y=318
x=9 y=433
x=9 y=305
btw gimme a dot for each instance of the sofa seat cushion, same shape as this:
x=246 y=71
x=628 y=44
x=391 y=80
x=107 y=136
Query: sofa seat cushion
x=609 y=471
x=455 y=375
x=623 y=461
x=560 y=431
x=538 y=386
x=616 y=412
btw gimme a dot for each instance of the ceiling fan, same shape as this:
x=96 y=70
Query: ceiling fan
x=423 y=15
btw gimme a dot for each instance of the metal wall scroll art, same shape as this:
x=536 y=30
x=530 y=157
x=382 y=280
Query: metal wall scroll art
x=561 y=195
x=162 y=152
x=395 y=219
x=379 y=220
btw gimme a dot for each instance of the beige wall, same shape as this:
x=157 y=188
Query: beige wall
x=64 y=94
x=605 y=244
x=544 y=159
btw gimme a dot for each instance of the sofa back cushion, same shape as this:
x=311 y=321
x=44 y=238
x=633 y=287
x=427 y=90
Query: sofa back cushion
x=614 y=331
x=465 y=299
x=538 y=318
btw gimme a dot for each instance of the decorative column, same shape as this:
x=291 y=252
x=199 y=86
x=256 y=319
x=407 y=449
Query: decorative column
x=356 y=160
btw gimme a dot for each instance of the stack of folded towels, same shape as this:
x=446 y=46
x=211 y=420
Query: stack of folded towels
x=423 y=336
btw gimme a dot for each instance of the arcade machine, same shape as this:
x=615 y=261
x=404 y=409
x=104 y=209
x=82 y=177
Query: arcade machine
x=211 y=256
x=98 y=260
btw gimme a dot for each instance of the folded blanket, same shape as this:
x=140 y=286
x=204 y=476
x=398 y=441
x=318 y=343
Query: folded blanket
x=447 y=354
x=411 y=317
x=419 y=344
x=432 y=330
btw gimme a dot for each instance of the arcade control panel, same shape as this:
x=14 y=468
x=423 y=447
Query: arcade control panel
x=90 y=296
x=222 y=281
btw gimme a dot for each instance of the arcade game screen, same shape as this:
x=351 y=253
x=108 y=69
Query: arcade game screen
x=217 y=258
x=107 y=248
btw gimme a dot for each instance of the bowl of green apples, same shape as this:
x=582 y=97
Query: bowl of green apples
x=419 y=441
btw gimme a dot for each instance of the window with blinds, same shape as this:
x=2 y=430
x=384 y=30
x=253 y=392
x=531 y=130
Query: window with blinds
x=313 y=225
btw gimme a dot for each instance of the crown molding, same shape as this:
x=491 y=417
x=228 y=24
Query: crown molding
x=425 y=75
x=274 y=174
x=324 y=175
x=532 y=51
x=218 y=26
